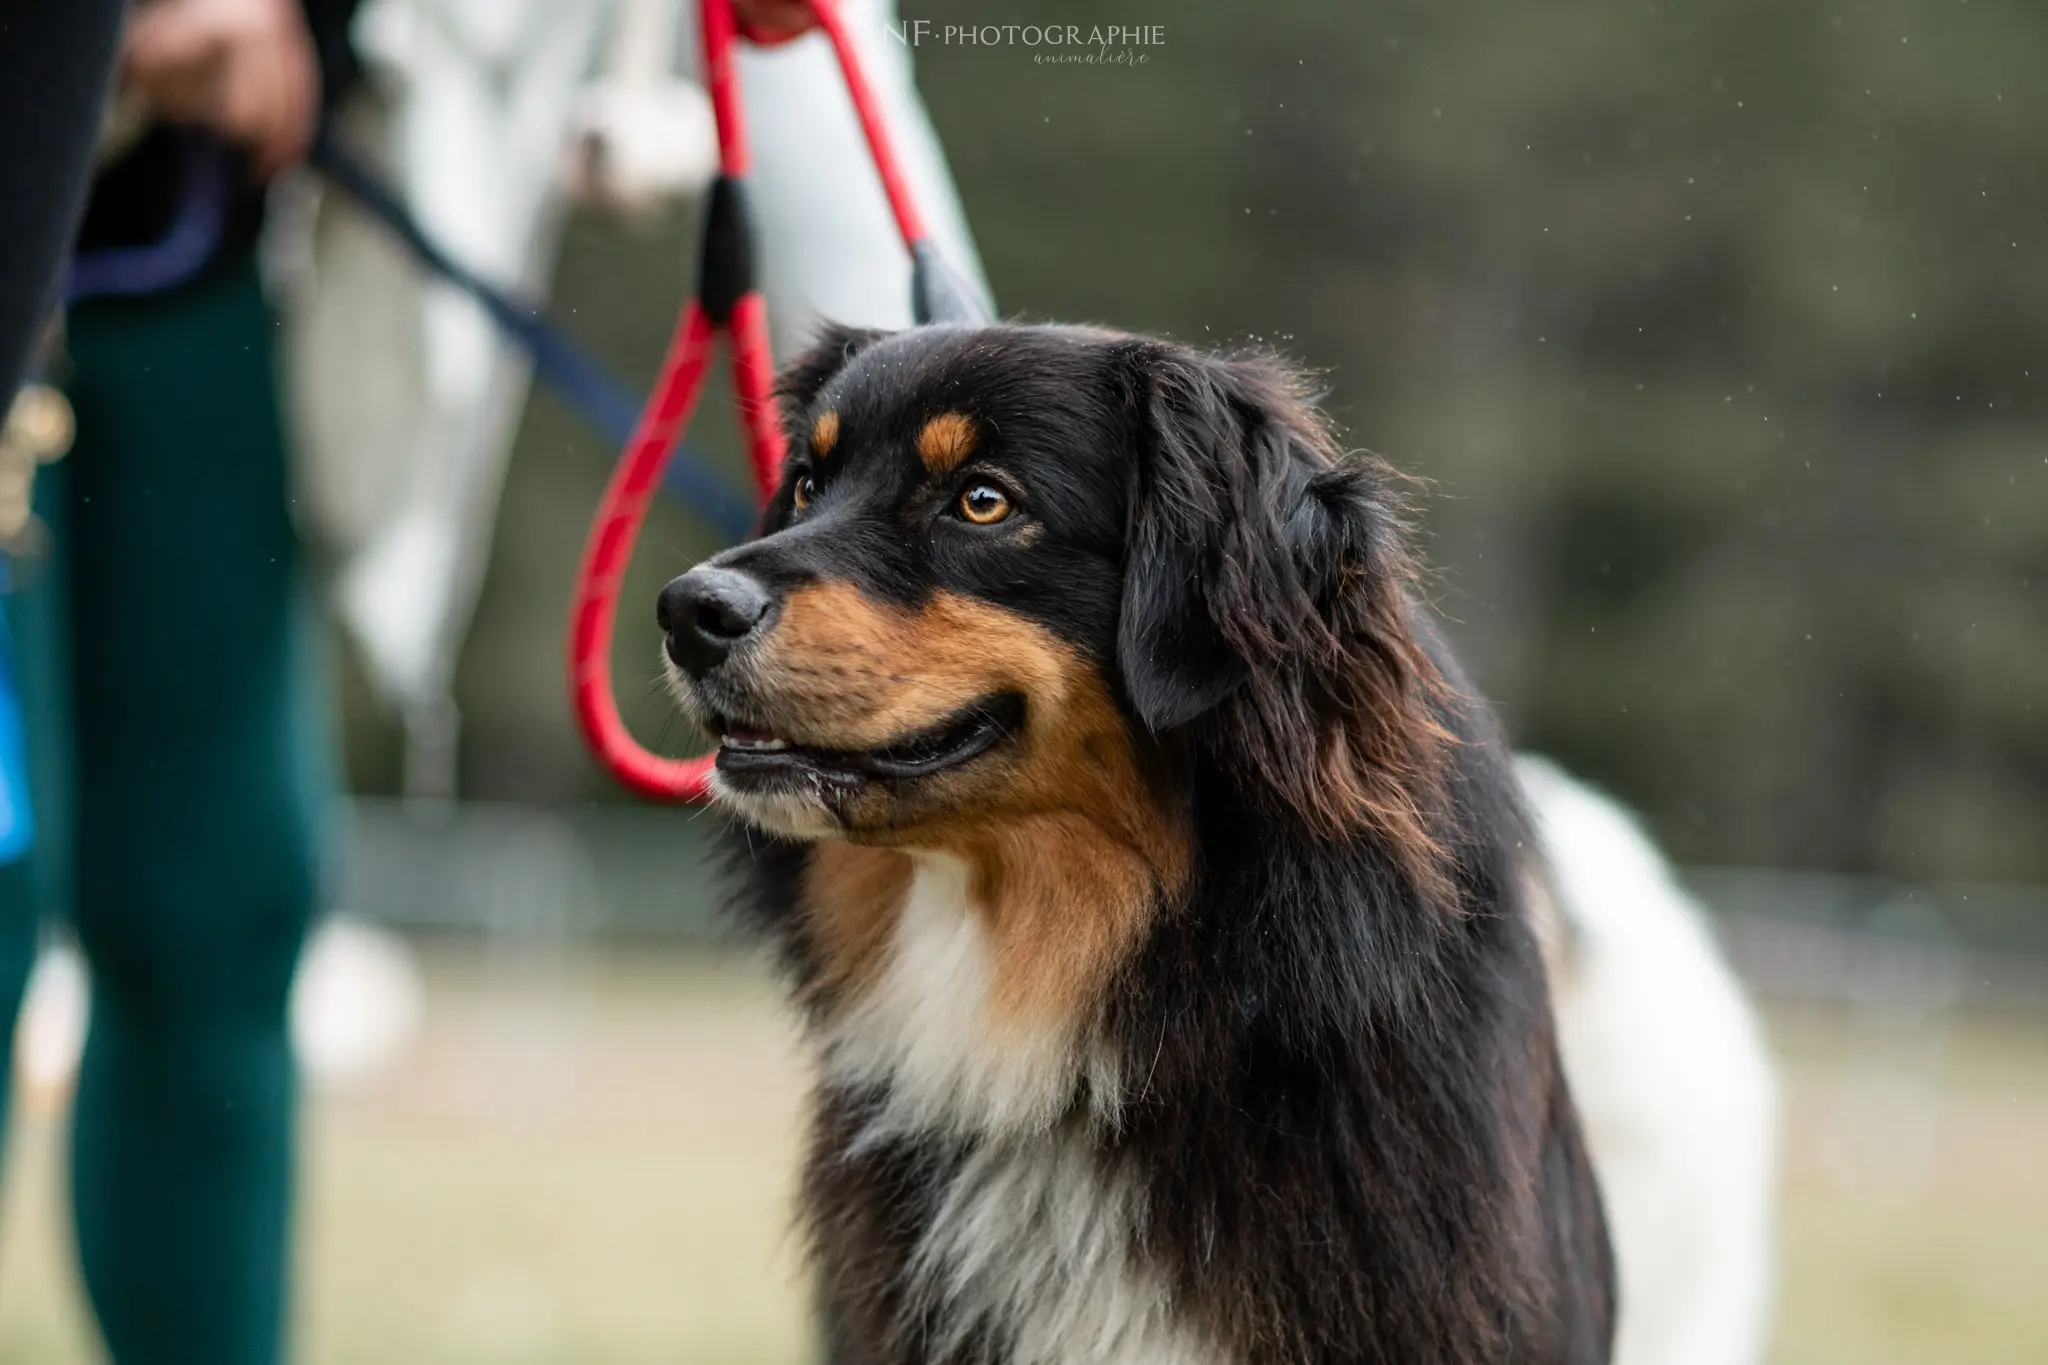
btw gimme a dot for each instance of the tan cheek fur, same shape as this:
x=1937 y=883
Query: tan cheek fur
x=847 y=672
x=1069 y=852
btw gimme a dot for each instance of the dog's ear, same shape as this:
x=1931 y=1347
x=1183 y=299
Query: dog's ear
x=1172 y=652
x=805 y=377
x=1267 y=600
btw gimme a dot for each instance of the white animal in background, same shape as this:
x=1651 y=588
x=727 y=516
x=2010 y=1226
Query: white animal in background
x=1668 y=1066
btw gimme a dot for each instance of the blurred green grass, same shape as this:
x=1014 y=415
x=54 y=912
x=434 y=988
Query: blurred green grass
x=589 y=1159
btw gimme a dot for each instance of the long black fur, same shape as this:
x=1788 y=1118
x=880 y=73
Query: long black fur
x=1351 y=1122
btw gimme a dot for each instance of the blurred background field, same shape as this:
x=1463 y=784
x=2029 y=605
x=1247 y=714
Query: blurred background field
x=587 y=1159
x=1713 y=325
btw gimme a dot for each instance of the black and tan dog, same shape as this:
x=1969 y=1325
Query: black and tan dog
x=1152 y=887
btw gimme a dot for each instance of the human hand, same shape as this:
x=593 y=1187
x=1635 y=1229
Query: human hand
x=769 y=22
x=243 y=68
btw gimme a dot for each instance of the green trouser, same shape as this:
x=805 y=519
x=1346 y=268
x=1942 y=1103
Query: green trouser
x=166 y=655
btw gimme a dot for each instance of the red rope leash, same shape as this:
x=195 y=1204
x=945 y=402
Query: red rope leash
x=908 y=221
x=727 y=300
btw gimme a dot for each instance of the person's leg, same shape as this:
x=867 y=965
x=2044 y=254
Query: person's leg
x=197 y=822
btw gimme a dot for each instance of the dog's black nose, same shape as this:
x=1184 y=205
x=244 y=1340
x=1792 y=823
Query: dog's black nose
x=706 y=613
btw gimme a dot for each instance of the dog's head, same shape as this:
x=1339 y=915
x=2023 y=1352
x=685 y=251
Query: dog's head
x=1026 y=570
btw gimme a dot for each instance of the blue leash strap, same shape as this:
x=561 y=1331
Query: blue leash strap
x=564 y=366
x=117 y=272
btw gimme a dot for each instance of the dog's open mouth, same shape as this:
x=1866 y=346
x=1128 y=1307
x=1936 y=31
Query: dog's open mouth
x=746 y=751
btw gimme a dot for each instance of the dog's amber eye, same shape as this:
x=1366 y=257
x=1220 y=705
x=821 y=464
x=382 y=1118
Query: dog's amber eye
x=801 y=495
x=984 y=505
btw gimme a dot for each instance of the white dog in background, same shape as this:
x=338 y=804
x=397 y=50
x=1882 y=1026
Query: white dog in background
x=1668 y=1066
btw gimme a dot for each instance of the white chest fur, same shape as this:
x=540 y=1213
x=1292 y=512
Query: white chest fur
x=925 y=1030
x=1033 y=1238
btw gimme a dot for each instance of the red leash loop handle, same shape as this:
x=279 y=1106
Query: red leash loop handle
x=727 y=300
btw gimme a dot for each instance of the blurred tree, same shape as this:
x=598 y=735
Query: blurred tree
x=1714 y=323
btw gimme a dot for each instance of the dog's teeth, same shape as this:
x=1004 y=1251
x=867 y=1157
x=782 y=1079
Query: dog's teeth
x=768 y=745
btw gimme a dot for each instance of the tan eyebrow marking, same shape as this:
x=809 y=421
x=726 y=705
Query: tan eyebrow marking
x=945 y=441
x=825 y=432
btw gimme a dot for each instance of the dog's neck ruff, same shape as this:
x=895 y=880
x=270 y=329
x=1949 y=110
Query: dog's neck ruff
x=1033 y=1236
x=1034 y=1244
x=927 y=1033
